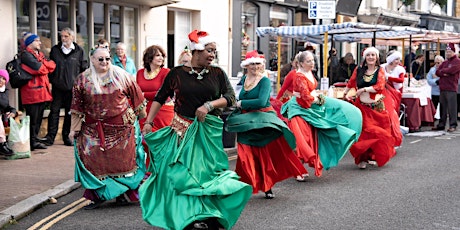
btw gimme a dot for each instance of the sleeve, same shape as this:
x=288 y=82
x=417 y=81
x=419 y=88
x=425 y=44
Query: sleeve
x=352 y=82
x=262 y=98
x=429 y=77
x=287 y=83
x=78 y=101
x=134 y=93
x=301 y=84
x=83 y=61
x=400 y=78
x=445 y=70
x=227 y=91
x=167 y=89
x=381 y=80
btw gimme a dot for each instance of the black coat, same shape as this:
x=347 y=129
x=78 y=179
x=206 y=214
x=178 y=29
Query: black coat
x=68 y=66
x=5 y=103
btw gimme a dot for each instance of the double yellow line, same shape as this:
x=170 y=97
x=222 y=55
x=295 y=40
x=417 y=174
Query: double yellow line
x=59 y=215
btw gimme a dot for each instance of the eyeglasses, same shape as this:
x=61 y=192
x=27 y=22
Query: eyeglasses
x=255 y=63
x=101 y=59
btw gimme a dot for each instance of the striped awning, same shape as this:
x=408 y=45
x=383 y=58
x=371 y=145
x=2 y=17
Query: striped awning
x=345 y=32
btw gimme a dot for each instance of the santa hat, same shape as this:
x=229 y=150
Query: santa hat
x=371 y=49
x=394 y=56
x=29 y=38
x=4 y=73
x=451 y=46
x=199 y=39
x=252 y=57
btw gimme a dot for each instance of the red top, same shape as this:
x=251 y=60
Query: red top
x=287 y=85
x=151 y=87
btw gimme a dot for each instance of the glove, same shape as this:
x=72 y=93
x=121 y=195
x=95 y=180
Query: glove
x=437 y=82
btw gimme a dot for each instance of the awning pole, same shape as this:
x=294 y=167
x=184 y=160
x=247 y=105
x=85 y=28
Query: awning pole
x=410 y=61
x=438 y=48
x=326 y=34
x=402 y=51
x=278 y=77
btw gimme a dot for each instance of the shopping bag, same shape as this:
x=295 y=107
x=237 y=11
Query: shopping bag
x=19 y=138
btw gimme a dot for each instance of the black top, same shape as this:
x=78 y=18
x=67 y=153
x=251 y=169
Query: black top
x=191 y=93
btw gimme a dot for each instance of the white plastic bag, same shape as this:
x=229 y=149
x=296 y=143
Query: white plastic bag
x=19 y=138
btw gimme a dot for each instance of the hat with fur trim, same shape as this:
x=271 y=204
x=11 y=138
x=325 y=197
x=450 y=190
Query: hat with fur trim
x=450 y=46
x=252 y=57
x=371 y=49
x=394 y=56
x=29 y=38
x=199 y=39
x=4 y=73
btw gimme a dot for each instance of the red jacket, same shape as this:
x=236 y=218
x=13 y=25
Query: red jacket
x=38 y=89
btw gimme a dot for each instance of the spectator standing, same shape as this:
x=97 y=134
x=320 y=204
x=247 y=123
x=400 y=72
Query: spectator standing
x=409 y=58
x=202 y=193
x=37 y=91
x=70 y=61
x=5 y=110
x=417 y=67
x=109 y=157
x=333 y=66
x=448 y=73
x=433 y=80
x=346 y=67
x=122 y=60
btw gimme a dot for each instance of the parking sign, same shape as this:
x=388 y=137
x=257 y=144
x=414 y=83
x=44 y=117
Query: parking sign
x=321 y=9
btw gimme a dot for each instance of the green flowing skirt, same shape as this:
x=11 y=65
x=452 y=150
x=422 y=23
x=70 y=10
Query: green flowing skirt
x=258 y=128
x=111 y=187
x=338 y=123
x=190 y=179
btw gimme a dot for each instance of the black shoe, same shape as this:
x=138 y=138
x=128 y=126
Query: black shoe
x=438 y=128
x=269 y=194
x=94 y=204
x=45 y=140
x=67 y=142
x=38 y=146
x=5 y=149
x=121 y=200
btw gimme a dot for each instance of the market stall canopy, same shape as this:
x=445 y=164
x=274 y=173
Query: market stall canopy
x=428 y=36
x=342 y=32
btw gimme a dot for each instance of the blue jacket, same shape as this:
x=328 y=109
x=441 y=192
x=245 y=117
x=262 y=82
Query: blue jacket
x=130 y=67
x=433 y=81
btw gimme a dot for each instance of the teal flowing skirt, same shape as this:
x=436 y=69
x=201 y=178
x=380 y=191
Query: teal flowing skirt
x=338 y=124
x=110 y=187
x=190 y=180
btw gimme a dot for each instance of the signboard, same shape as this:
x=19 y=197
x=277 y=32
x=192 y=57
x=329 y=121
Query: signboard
x=321 y=9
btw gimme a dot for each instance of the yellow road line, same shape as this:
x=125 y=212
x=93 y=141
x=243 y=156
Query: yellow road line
x=36 y=225
x=65 y=214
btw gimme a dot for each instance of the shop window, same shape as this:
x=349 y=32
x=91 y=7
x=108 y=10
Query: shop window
x=249 y=23
x=82 y=26
x=129 y=28
x=23 y=22
x=99 y=29
x=115 y=21
x=279 y=16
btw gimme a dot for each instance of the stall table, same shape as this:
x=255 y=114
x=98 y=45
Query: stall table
x=417 y=114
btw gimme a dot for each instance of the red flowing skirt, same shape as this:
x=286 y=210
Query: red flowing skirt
x=307 y=143
x=376 y=141
x=262 y=167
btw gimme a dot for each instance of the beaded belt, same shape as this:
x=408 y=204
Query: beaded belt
x=180 y=124
x=377 y=106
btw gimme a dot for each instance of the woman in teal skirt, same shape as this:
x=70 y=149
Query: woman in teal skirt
x=191 y=186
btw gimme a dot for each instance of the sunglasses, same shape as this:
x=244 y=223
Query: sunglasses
x=101 y=59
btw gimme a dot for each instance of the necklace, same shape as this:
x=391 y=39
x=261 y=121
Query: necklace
x=151 y=74
x=200 y=74
x=250 y=85
x=104 y=80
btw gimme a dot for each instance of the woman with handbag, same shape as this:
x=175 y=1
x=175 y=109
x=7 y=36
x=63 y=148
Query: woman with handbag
x=376 y=143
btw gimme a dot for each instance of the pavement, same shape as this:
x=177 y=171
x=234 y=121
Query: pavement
x=28 y=184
